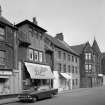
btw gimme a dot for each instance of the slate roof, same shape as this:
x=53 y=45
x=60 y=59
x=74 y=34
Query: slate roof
x=78 y=48
x=61 y=44
x=31 y=23
x=5 y=21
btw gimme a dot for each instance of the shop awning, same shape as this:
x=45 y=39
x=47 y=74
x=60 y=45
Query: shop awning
x=66 y=75
x=38 y=71
x=100 y=75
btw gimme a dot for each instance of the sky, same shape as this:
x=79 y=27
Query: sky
x=79 y=20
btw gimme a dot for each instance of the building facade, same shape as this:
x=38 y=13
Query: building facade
x=31 y=55
x=66 y=63
x=7 y=56
x=89 y=64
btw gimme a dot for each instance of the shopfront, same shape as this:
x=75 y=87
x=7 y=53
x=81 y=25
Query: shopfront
x=5 y=82
x=38 y=75
x=65 y=81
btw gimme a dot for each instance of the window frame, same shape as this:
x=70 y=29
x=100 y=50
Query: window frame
x=36 y=53
x=2 y=62
x=2 y=36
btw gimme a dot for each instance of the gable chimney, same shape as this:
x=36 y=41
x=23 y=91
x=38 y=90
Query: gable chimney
x=35 y=21
x=60 y=36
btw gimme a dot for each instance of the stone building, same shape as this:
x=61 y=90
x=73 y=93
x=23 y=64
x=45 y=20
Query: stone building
x=65 y=63
x=31 y=55
x=89 y=64
x=7 y=56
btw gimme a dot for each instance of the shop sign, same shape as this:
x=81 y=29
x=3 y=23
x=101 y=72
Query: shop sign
x=5 y=73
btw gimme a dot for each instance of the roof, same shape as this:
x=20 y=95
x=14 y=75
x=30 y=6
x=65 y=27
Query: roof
x=78 y=48
x=96 y=47
x=61 y=44
x=31 y=23
x=5 y=21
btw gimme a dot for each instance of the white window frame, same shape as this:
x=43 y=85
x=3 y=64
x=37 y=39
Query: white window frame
x=40 y=56
x=36 y=56
x=31 y=57
x=2 y=33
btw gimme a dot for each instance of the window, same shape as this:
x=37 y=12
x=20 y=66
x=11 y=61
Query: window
x=76 y=59
x=88 y=67
x=76 y=71
x=2 y=58
x=36 y=56
x=73 y=82
x=69 y=69
x=76 y=81
x=64 y=67
x=30 y=33
x=68 y=57
x=72 y=69
x=72 y=59
x=59 y=54
x=59 y=67
x=88 y=56
x=64 y=56
x=30 y=54
x=2 y=33
x=40 y=56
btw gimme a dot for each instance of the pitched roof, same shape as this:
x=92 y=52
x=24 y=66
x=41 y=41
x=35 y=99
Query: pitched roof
x=78 y=48
x=31 y=23
x=96 y=47
x=61 y=44
x=5 y=21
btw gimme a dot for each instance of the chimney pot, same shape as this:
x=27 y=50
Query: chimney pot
x=34 y=20
x=60 y=36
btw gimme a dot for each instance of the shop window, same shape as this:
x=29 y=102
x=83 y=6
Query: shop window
x=2 y=58
x=2 y=33
x=36 y=56
x=40 y=56
x=30 y=54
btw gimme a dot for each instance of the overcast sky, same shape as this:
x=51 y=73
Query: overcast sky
x=78 y=20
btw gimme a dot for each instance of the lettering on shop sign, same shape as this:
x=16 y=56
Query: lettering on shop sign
x=40 y=71
x=5 y=73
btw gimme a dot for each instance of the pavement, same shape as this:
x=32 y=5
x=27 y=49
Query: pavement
x=13 y=100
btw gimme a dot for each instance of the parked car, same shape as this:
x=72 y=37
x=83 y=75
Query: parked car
x=33 y=95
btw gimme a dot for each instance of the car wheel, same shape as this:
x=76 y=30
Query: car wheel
x=51 y=95
x=34 y=99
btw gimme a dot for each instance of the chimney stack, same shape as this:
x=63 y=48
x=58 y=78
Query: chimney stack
x=35 y=21
x=60 y=36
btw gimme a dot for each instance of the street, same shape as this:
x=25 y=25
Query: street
x=92 y=96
